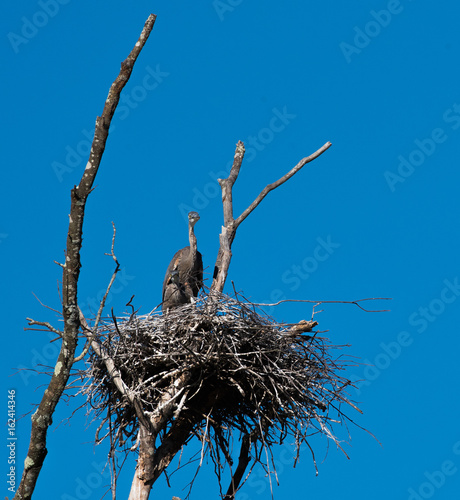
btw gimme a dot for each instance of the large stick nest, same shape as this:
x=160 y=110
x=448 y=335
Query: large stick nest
x=232 y=367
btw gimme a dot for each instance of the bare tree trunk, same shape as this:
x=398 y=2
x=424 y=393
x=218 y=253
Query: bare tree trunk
x=153 y=462
x=42 y=418
x=141 y=485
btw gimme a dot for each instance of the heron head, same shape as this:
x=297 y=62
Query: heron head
x=193 y=218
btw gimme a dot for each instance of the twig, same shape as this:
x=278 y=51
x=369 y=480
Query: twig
x=50 y=327
x=47 y=307
x=130 y=304
x=318 y=302
x=114 y=275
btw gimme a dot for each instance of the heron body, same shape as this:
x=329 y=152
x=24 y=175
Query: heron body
x=174 y=294
x=188 y=263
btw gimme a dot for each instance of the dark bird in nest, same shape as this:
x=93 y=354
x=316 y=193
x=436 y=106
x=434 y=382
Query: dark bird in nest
x=188 y=262
x=174 y=294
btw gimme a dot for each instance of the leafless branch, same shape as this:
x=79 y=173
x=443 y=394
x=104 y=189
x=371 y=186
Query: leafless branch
x=319 y=302
x=230 y=224
x=47 y=307
x=280 y=181
x=42 y=418
x=47 y=325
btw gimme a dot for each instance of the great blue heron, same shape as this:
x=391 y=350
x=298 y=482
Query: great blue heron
x=174 y=293
x=188 y=262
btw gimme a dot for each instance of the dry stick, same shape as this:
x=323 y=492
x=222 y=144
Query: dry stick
x=114 y=275
x=47 y=307
x=114 y=372
x=42 y=418
x=32 y=322
x=319 y=302
x=231 y=224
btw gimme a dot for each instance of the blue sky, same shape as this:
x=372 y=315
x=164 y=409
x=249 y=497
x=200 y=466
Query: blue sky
x=380 y=81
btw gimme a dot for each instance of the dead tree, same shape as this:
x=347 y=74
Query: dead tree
x=154 y=460
x=208 y=370
x=42 y=418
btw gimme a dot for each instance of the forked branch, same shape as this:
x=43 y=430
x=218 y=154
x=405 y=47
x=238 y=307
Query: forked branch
x=230 y=224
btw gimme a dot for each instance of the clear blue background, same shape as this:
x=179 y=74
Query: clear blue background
x=379 y=80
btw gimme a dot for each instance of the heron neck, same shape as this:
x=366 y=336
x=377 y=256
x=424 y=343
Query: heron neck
x=192 y=240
